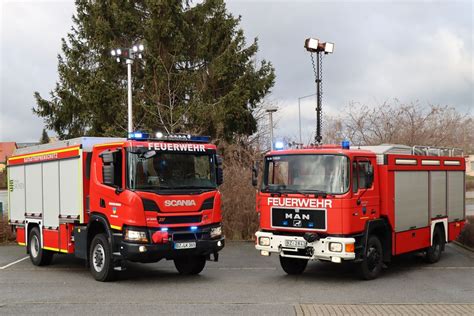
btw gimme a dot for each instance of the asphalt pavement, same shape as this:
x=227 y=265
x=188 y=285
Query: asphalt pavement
x=241 y=283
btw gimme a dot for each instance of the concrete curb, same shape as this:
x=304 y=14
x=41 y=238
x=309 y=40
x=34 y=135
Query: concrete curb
x=457 y=243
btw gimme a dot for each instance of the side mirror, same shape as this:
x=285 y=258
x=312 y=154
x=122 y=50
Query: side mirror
x=219 y=171
x=255 y=174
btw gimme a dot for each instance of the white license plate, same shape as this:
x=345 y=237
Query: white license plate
x=185 y=245
x=290 y=243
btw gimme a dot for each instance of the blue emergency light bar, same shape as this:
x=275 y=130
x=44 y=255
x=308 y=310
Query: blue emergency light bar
x=138 y=136
x=172 y=137
x=183 y=137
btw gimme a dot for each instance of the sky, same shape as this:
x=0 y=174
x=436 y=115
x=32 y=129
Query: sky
x=408 y=50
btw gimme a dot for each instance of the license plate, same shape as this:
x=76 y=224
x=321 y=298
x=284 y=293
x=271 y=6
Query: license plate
x=185 y=245
x=295 y=243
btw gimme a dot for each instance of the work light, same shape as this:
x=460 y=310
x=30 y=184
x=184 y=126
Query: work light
x=311 y=44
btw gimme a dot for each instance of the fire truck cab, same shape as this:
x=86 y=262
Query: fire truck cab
x=364 y=204
x=112 y=200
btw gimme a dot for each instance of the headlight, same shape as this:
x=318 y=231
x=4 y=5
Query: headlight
x=135 y=235
x=216 y=231
x=264 y=241
x=335 y=247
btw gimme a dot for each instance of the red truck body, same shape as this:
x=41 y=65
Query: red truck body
x=151 y=200
x=408 y=202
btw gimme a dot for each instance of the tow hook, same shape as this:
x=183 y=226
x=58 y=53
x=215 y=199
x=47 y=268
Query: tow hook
x=309 y=237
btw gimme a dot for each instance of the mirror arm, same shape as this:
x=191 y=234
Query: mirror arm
x=118 y=190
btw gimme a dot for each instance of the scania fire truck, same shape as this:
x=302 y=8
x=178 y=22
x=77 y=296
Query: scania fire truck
x=364 y=204
x=109 y=200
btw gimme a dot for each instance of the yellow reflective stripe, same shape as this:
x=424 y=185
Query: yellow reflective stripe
x=52 y=249
x=63 y=250
x=116 y=227
x=45 y=153
x=21 y=244
x=108 y=144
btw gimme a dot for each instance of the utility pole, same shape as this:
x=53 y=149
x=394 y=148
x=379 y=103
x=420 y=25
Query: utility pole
x=129 y=54
x=313 y=45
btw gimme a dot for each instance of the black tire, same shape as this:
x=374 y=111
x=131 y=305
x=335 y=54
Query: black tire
x=38 y=255
x=100 y=258
x=190 y=265
x=293 y=266
x=433 y=253
x=372 y=264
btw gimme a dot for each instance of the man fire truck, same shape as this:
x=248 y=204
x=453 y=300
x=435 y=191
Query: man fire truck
x=365 y=204
x=108 y=200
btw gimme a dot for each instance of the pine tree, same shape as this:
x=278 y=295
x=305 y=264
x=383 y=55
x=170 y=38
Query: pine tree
x=198 y=74
x=44 y=137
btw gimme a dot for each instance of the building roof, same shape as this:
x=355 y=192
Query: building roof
x=6 y=150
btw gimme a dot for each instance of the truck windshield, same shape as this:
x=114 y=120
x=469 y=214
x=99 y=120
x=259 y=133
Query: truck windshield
x=306 y=174
x=171 y=170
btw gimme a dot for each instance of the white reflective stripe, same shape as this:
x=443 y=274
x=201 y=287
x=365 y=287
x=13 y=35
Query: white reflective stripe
x=14 y=262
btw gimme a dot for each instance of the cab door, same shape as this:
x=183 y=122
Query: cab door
x=365 y=193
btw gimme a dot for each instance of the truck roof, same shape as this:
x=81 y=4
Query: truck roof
x=86 y=143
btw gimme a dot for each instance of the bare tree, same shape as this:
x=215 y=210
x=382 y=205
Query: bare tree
x=408 y=124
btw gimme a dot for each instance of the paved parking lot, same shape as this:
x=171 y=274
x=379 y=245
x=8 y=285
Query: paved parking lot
x=243 y=282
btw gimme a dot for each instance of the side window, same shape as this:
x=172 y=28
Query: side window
x=118 y=168
x=362 y=175
x=355 y=183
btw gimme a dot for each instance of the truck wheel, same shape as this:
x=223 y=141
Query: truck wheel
x=371 y=266
x=433 y=253
x=190 y=265
x=100 y=258
x=293 y=265
x=38 y=255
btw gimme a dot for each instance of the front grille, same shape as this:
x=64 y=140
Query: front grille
x=179 y=219
x=307 y=219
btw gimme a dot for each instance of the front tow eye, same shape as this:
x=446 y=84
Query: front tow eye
x=310 y=237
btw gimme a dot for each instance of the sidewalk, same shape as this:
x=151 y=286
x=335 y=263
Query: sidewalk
x=384 y=309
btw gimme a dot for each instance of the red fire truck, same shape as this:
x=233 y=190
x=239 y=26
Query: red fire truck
x=364 y=204
x=109 y=200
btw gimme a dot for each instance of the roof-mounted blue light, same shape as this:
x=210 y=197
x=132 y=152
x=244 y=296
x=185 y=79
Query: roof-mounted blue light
x=138 y=136
x=279 y=145
x=345 y=144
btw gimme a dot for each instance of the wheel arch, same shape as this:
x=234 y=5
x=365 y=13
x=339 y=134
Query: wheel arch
x=380 y=228
x=98 y=224
x=29 y=228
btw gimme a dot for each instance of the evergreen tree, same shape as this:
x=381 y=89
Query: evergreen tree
x=198 y=74
x=44 y=137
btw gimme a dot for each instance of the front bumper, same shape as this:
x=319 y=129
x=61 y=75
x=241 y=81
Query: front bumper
x=318 y=249
x=155 y=252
